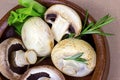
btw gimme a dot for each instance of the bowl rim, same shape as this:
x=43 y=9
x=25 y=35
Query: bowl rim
x=102 y=49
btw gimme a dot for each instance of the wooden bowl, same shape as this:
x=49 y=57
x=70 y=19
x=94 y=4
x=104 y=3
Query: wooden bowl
x=98 y=42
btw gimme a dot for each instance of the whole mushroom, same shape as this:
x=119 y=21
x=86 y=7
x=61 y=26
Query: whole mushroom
x=44 y=72
x=36 y=35
x=7 y=49
x=64 y=21
x=74 y=57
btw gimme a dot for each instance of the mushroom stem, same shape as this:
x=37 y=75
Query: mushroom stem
x=60 y=24
x=31 y=56
x=22 y=58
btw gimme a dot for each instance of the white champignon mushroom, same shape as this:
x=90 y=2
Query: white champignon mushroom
x=74 y=57
x=64 y=20
x=22 y=58
x=6 y=49
x=44 y=72
x=36 y=35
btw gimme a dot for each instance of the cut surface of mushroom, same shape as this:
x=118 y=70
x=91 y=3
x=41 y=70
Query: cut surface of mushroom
x=44 y=72
x=22 y=58
x=31 y=56
x=19 y=59
x=74 y=57
x=62 y=17
x=57 y=28
x=36 y=35
x=6 y=48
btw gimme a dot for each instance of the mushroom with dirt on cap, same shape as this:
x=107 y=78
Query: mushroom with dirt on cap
x=64 y=21
x=74 y=57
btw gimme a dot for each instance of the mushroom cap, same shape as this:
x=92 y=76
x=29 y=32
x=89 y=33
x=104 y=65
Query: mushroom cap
x=44 y=71
x=69 y=47
x=69 y=16
x=36 y=35
x=5 y=47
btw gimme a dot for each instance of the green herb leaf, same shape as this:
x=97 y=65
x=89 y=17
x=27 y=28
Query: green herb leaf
x=18 y=28
x=94 y=28
x=81 y=60
x=97 y=32
x=28 y=11
x=31 y=9
x=34 y=4
x=71 y=35
x=76 y=57
x=41 y=59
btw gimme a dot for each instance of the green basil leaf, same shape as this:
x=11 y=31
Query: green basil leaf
x=34 y=4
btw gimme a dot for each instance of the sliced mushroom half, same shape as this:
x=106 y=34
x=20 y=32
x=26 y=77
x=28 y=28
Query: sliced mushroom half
x=7 y=48
x=44 y=72
x=36 y=35
x=64 y=21
x=74 y=57
x=21 y=58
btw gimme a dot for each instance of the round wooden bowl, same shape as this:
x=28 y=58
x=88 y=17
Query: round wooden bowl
x=98 y=42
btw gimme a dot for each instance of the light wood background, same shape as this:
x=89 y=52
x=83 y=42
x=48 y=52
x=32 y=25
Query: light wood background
x=97 y=8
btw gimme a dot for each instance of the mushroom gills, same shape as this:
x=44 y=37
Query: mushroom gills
x=13 y=66
x=71 y=29
x=51 y=17
x=39 y=76
x=7 y=67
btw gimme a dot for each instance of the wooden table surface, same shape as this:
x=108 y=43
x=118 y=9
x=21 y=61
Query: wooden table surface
x=97 y=8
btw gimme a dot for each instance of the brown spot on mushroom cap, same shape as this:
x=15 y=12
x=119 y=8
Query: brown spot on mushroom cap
x=5 y=47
